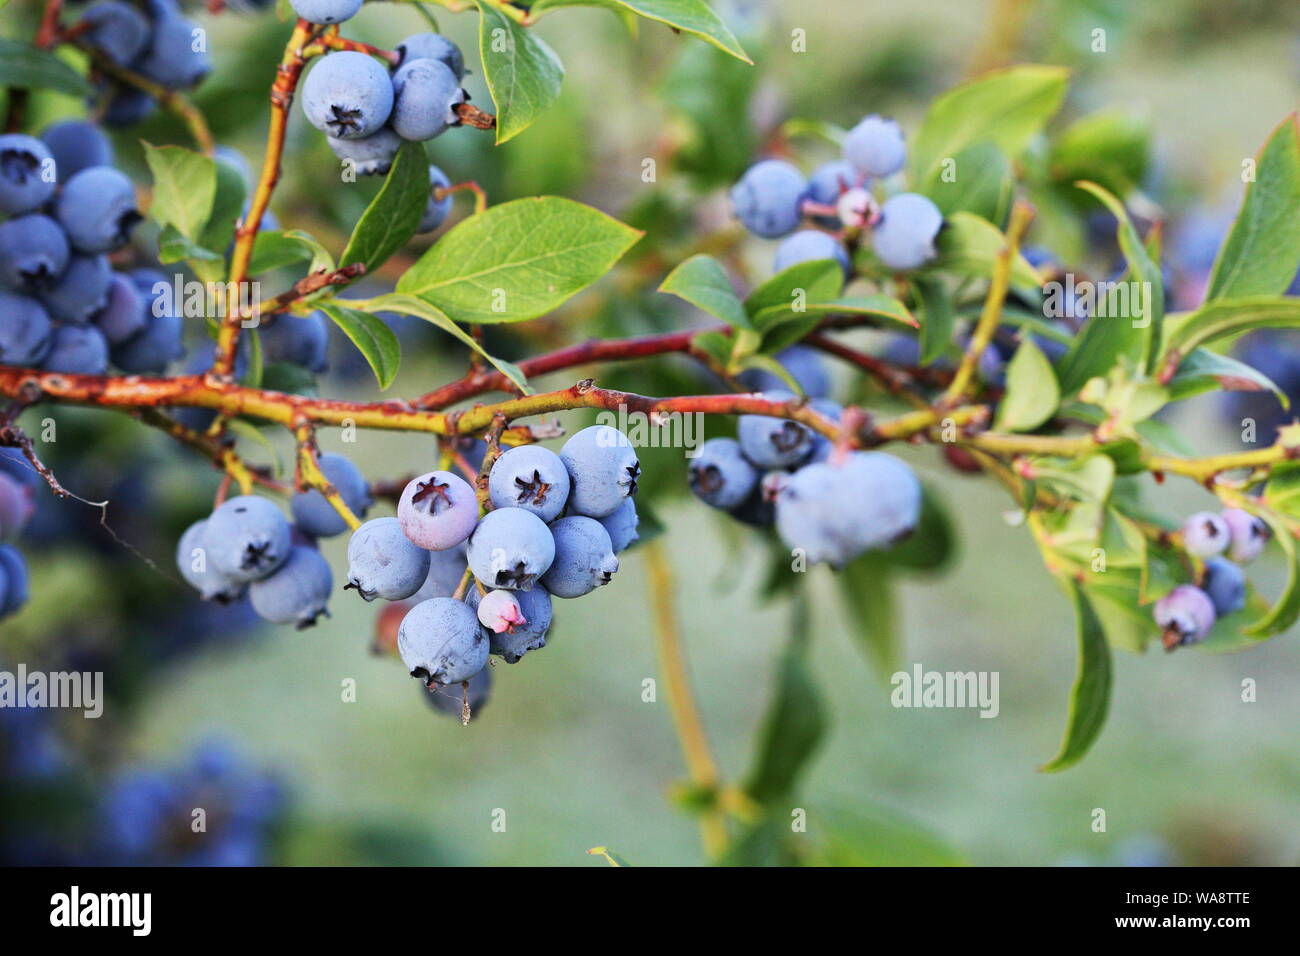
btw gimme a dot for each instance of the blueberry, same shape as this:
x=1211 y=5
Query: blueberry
x=830 y=180
x=622 y=525
x=774 y=442
x=1225 y=584
x=123 y=315
x=77 y=350
x=875 y=147
x=436 y=210
x=904 y=236
x=248 y=538
x=603 y=470
x=510 y=548
x=720 y=475
x=1205 y=534
x=446 y=571
x=451 y=700
x=768 y=197
x=27 y=174
x=1249 y=534
x=326 y=11
x=584 y=557
x=25 y=331
x=441 y=642
x=382 y=562
x=517 y=621
x=192 y=562
x=75 y=145
x=16 y=506
x=15 y=464
x=823 y=446
x=529 y=477
x=431 y=46
x=301 y=341
x=372 y=154
x=809 y=245
x=171 y=58
x=993 y=367
x=347 y=95
x=805 y=366
x=297 y=592
x=1185 y=616
x=117 y=30
x=425 y=94
x=438 y=510
x=127 y=106
x=315 y=515
x=14 y=569
x=81 y=291
x=152 y=350
x=33 y=252
x=97 y=208
x=834 y=512
x=497 y=610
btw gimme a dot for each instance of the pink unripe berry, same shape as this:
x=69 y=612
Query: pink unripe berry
x=499 y=611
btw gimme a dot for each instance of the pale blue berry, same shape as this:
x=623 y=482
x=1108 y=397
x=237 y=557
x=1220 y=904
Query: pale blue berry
x=529 y=477
x=27 y=174
x=347 y=95
x=431 y=46
x=438 y=510
x=774 y=442
x=247 y=538
x=875 y=147
x=192 y=561
x=511 y=548
x=603 y=470
x=1249 y=534
x=1206 y=534
x=904 y=237
x=382 y=562
x=809 y=245
x=584 y=557
x=441 y=642
x=437 y=209
x=622 y=526
x=425 y=94
x=315 y=515
x=1185 y=616
x=720 y=475
x=97 y=209
x=297 y=592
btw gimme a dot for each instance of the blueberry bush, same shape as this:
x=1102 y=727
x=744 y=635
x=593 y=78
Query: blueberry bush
x=953 y=243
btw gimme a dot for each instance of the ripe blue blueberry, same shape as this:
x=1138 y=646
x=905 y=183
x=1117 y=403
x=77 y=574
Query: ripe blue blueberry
x=1205 y=534
x=438 y=510
x=1225 y=583
x=161 y=341
x=27 y=174
x=76 y=144
x=1185 y=616
x=97 y=209
x=347 y=95
x=875 y=147
x=436 y=210
x=123 y=315
x=511 y=548
x=603 y=470
x=297 y=592
x=33 y=252
x=77 y=350
x=127 y=106
x=446 y=571
x=720 y=475
x=774 y=442
x=809 y=245
x=829 y=180
x=834 y=512
x=517 y=621
x=425 y=94
x=16 y=506
x=768 y=197
x=81 y=291
x=529 y=477
x=452 y=700
x=622 y=526
x=382 y=562
x=1249 y=534
x=316 y=516
x=25 y=330
x=823 y=446
x=15 y=464
x=176 y=56
x=372 y=155
x=431 y=46
x=441 y=642
x=326 y=11
x=247 y=538
x=302 y=341
x=13 y=567
x=904 y=236
x=584 y=557
x=805 y=366
x=116 y=29
x=198 y=572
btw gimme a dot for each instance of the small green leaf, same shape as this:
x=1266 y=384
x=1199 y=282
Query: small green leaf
x=875 y=304
x=25 y=67
x=684 y=16
x=1110 y=148
x=173 y=247
x=375 y=340
x=1090 y=696
x=1204 y=371
x=1084 y=479
x=817 y=280
x=1286 y=611
x=1282 y=492
x=871 y=835
x=933 y=545
x=1227 y=317
x=184 y=187
x=394 y=214
x=518 y=260
x=1032 y=394
x=523 y=74
x=792 y=728
x=227 y=205
x=702 y=281
x=937 y=317
x=715 y=345
x=867 y=588
x=275 y=250
x=982 y=185
x=968 y=246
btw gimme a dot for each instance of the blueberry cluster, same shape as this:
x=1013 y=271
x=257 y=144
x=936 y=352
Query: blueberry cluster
x=1187 y=613
x=556 y=524
x=773 y=198
x=247 y=546
x=17 y=481
x=153 y=39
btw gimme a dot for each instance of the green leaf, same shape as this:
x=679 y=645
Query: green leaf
x=937 y=317
x=792 y=728
x=227 y=205
x=523 y=74
x=982 y=184
x=1084 y=479
x=933 y=545
x=686 y=16
x=1282 y=492
x=1110 y=148
x=375 y=340
x=1090 y=696
x=1032 y=394
x=702 y=281
x=714 y=344
x=968 y=245
x=1006 y=108
x=867 y=588
x=706 y=90
x=876 y=304
x=394 y=214
x=871 y=835
x=818 y=280
x=518 y=260
x=1204 y=371
x=25 y=67
x=410 y=305
x=184 y=187
x=275 y=250
x=173 y=247
x=1262 y=250
x=1225 y=317
x=1286 y=611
